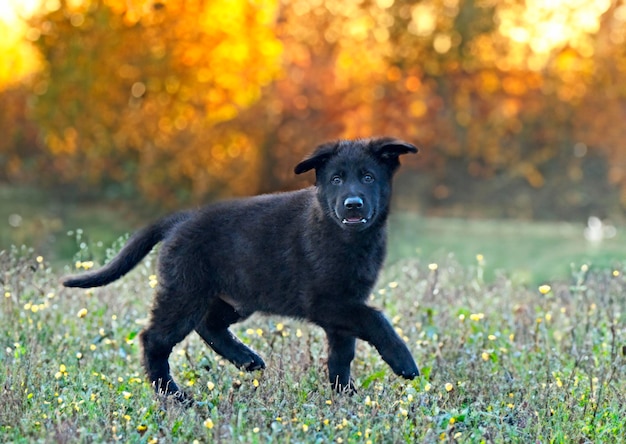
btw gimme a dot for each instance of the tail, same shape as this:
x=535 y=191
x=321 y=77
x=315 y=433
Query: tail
x=137 y=247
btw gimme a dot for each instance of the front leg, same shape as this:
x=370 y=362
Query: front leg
x=370 y=325
x=340 y=355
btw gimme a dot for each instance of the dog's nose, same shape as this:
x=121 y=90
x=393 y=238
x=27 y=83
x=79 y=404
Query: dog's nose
x=353 y=203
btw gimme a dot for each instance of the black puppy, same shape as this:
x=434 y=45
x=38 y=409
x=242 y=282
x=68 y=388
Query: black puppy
x=314 y=254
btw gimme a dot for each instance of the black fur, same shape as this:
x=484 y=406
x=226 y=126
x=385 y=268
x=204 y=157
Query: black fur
x=313 y=254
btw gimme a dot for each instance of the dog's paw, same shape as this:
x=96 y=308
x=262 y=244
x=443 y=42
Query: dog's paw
x=183 y=398
x=255 y=363
x=345 y=389
x=405 y=368
x=410 y=374
x=175 y=399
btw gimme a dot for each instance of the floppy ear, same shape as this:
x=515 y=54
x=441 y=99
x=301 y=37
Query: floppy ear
x=321 y=154
x=389 y=148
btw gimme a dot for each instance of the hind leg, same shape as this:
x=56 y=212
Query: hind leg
x=340 y=354
x=172 y=320
x=213 y=329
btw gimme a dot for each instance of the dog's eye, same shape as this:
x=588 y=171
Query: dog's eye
x=368 y=178
x=336 y=180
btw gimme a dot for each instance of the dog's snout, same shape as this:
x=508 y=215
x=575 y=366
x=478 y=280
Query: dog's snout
x=353 y=203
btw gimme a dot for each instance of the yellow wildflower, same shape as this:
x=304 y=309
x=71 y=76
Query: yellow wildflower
x=84 y=265
x=544 y=289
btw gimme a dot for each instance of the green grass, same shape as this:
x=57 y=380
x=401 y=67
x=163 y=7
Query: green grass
x=501 y=362
x=43 y=220
x=529 y=252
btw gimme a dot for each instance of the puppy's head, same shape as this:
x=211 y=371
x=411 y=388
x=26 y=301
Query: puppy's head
x=353 y=178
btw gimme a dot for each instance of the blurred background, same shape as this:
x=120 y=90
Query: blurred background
x=115 y=111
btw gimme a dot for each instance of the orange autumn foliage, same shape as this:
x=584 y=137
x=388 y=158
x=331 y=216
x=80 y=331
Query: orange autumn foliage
x=184 y=100
x=134 y=90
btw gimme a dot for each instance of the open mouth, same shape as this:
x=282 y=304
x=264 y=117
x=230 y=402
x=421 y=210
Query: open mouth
x=354 y=220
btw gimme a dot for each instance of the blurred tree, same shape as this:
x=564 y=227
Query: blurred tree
x=20 y=157
x=601 y=114
x=335 y=59
x=133 y=89
x=492 y=89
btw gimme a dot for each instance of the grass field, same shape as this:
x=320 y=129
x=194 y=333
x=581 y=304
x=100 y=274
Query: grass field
x=501 y=362
x=528 y=252
x=518 y=328
x=42 y=220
